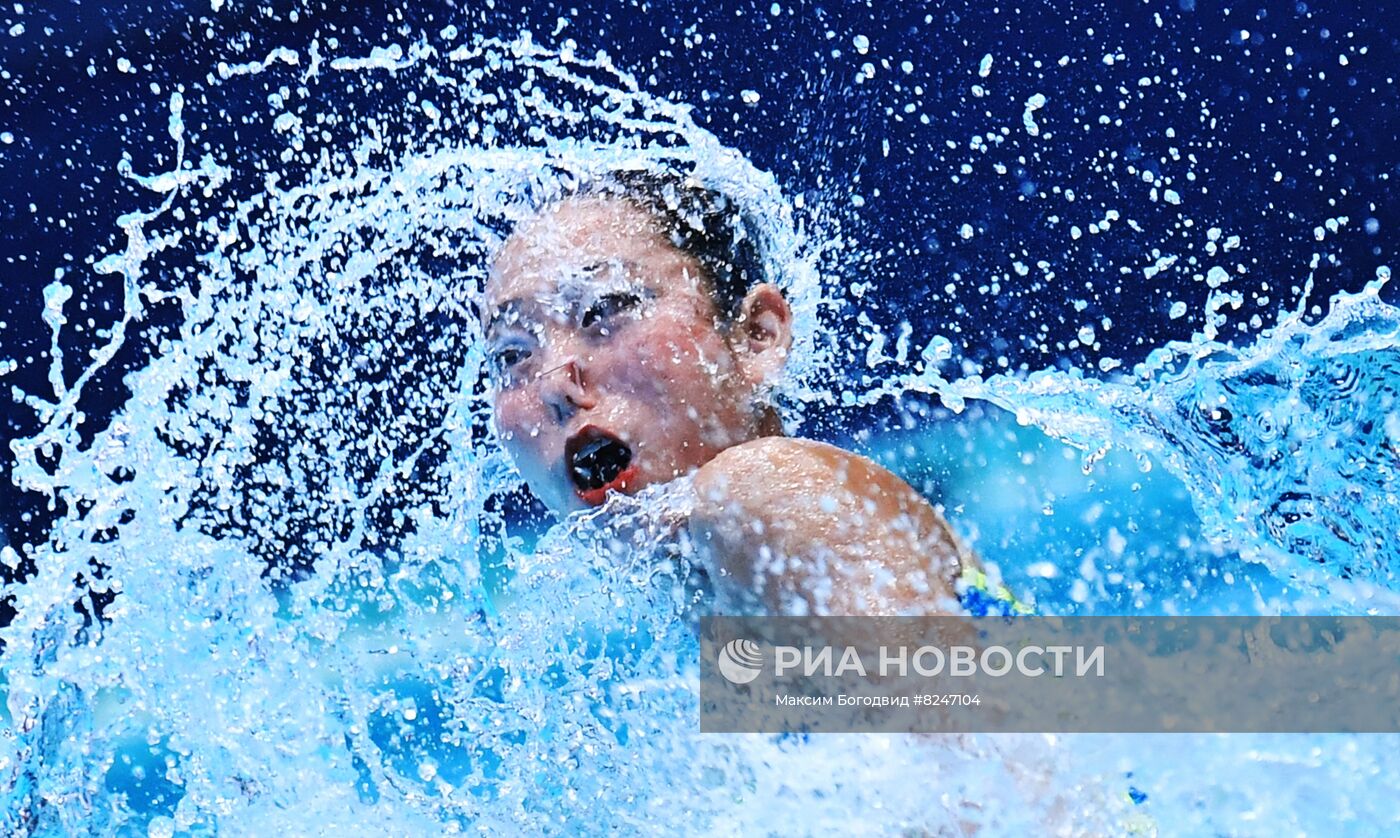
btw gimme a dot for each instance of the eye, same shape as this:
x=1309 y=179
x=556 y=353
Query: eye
x=608 y=306
x=505 y=360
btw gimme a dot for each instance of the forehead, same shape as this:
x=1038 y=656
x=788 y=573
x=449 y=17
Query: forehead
x=577 y=233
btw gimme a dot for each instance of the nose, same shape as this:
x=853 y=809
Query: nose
x=564 y=390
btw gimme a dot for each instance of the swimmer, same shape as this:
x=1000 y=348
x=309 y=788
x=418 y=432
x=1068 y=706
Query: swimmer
x=632 y=339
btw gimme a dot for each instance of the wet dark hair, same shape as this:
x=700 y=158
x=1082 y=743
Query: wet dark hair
x=703 y=222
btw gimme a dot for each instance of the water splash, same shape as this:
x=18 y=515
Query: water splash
x=288 y=527
x=1287 y=445
x=284 y=527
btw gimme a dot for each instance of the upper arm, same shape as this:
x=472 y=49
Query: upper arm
x=794 y=526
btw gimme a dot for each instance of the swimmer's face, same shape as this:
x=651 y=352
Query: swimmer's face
x=611 y=369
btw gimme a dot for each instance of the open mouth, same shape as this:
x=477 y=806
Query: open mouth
x=598 y=461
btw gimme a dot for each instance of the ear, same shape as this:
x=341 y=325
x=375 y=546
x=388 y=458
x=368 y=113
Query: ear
x=761 y=334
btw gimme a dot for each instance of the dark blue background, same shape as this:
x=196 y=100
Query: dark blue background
x=819 y=130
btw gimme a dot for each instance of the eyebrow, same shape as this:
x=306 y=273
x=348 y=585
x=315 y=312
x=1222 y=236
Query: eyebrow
x=503 y=312
x=516 y=305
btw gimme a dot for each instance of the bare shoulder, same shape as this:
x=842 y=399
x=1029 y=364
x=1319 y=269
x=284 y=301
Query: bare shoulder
x=803 y=476
x=743 y=468
x=784 y=517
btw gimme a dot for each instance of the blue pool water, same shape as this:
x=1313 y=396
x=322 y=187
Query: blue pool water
x=255 y=440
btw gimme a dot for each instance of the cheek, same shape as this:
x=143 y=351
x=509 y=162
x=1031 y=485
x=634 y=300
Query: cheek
x=682 y=377
x=515 y=417
x=676 y=361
